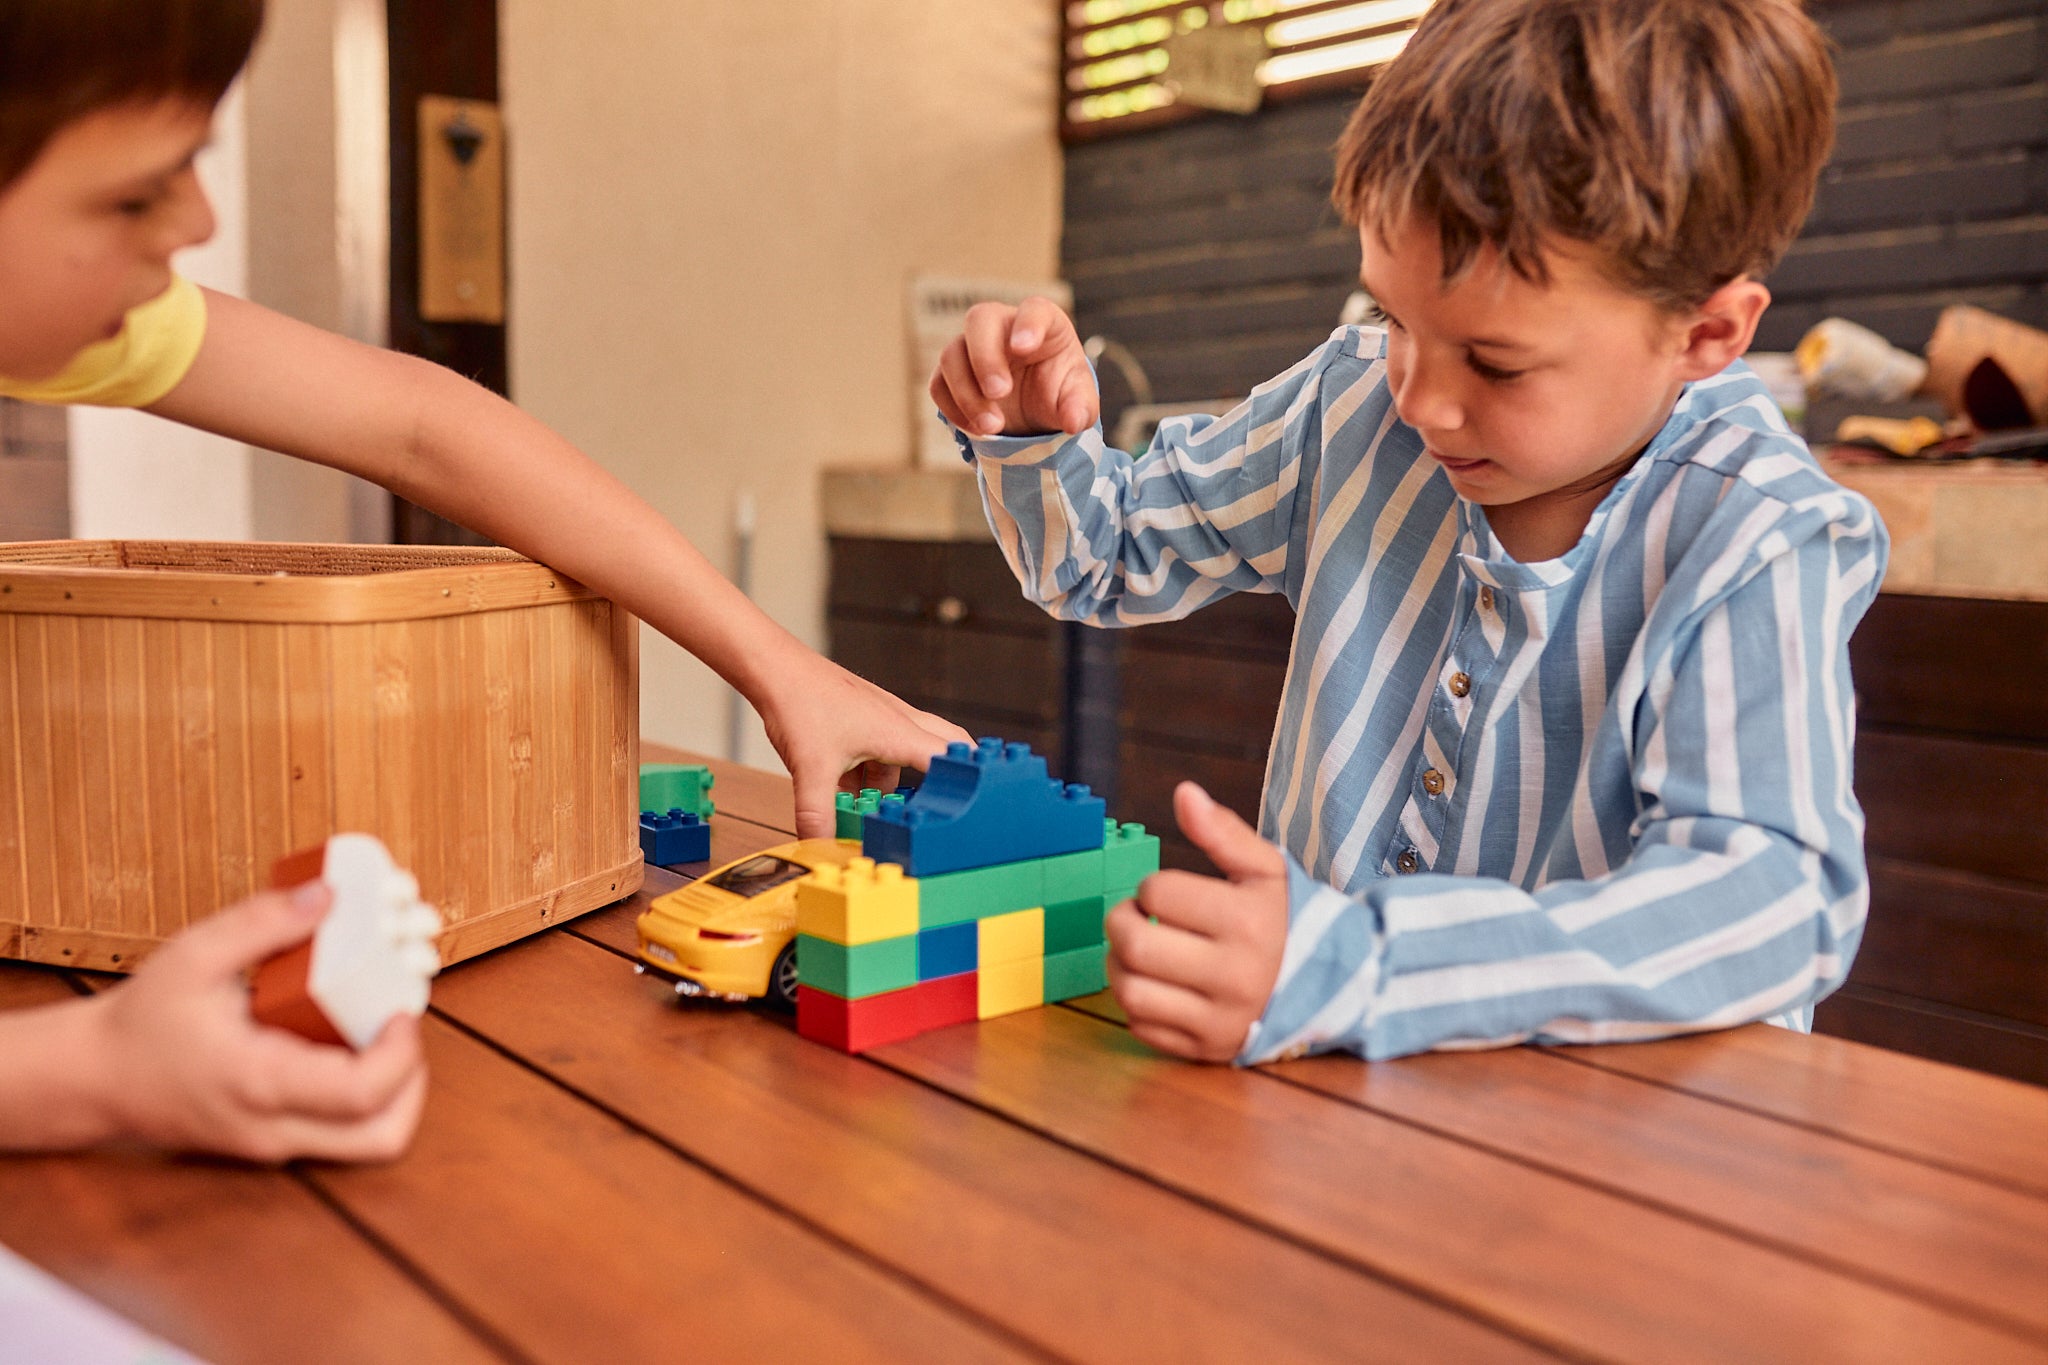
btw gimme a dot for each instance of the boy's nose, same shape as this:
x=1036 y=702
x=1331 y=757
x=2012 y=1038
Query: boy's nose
x=1425 y=404
x=191 y=219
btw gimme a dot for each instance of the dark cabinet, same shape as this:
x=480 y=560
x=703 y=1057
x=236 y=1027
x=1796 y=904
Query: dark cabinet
x=1952 y=770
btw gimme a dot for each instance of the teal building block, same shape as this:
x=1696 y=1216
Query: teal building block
x=952 y=897
x=849 y=810
x=1129 y=855
x=1074 y=924
x=862 y=969
x=1079 y=972
x=677 y=786
x=1071 y=876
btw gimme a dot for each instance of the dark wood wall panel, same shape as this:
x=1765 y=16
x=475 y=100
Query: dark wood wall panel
x=437 y=47
x=1963 y=664
x=1976 y=943
x=1972 y=805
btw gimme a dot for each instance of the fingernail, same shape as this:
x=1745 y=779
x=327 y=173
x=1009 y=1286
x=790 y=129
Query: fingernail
x=309 y=897
x=991 y=423
x=1024 y=341
x=997 y=387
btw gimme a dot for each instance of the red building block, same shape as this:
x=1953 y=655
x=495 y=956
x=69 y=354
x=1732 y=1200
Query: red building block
x=947 y=1000
x=857 y=1025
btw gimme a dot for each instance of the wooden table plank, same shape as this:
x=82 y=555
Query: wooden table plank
x=178 y=1245
x=1080 y=1259
x=1543 y=1255
x=1941 y=1236
x=583 y=1240
x=1961 y=1120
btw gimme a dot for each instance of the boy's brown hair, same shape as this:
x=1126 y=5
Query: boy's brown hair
x=63 y=59
x=1681 y=139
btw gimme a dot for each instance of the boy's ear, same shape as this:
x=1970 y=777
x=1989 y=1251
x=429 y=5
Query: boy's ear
x=1721 y=328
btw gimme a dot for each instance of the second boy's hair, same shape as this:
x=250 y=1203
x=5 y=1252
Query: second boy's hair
x=1680 y=139
x=63 y=59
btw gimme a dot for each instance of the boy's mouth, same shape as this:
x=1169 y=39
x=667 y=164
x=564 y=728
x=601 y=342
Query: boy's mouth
x=1454 y=465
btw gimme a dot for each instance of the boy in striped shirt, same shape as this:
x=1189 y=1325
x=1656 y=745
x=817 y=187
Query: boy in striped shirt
x=1564 y=749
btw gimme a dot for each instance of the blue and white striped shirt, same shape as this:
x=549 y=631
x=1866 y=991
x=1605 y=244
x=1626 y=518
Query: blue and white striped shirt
x=1619 y=780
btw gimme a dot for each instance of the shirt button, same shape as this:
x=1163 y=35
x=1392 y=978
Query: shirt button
x=1433 y=782
x=1407 y=862
x=1486 y=599
x=1461 y=684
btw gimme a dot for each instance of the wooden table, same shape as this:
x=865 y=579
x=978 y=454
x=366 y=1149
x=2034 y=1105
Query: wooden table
x=604 y=1175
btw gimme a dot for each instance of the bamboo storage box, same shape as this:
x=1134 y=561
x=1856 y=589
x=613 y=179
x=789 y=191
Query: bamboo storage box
x=179 y=715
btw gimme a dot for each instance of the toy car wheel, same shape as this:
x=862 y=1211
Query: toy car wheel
x=782 y=978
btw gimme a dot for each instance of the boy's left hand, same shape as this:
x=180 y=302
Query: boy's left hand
x=1193 y=982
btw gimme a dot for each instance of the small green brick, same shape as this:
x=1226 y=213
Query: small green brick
x=977 y=893
x=677 y=786
x=849 y=810
x=1071 y=876
x=1079 y=972
x=1129 y=856
x=862 y=969
x=1074 y=924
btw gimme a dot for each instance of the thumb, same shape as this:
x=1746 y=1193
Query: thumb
x=1235 y=847
x=247 y=933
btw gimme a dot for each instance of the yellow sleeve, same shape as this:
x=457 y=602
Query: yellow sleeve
x=132 y=370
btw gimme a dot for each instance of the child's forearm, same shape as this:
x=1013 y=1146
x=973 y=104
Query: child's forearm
x=51 y=1093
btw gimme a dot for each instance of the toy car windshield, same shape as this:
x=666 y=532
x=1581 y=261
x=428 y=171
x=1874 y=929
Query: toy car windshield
x=758 y=874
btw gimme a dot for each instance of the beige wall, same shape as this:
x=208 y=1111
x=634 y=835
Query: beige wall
x=715 y=209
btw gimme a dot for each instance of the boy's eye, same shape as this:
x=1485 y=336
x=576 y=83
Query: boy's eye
x=1380 y=316
x=1491 y=374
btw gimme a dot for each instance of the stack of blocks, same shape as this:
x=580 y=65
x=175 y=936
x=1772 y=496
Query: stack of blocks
x=981 y=894
x=675 y=813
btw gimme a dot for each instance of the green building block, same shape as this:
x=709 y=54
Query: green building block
x=977 y=893
x=849 y=810
x=676 y=786
x=1129 y=855
x=1072 y=876
x=1074 y=924
x=1079 y=972
x=888 y=964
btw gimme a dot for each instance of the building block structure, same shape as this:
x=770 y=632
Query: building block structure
x=679 y=836
x=980 y=894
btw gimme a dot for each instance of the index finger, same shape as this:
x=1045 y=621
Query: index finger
x=1040 y=330
x=1190 y=901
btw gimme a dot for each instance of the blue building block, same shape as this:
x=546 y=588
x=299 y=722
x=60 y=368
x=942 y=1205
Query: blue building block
x=677 y=837
x=948 y=951
x=992 y=803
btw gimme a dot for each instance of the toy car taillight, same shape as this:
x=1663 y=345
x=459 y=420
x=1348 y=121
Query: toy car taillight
x=714 y=936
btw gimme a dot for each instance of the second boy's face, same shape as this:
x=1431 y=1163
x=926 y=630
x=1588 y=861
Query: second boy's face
x=87 y=231
x=1521 y=391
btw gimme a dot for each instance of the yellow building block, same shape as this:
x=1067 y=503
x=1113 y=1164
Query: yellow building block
x=859 y=903
x=1010 y=986
x=1010 y=938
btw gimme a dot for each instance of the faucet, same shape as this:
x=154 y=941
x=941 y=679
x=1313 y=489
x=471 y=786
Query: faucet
x=1099 y=347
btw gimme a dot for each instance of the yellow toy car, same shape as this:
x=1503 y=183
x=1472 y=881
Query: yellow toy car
x=732 y=934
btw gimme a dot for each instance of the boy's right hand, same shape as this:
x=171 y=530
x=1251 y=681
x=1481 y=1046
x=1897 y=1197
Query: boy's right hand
x=180 y=1063
x=1016 y=372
